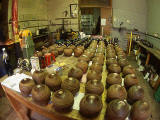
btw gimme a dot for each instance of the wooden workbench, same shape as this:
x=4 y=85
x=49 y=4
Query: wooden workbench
x=153 y=51
x=150 y=51
x=23 y=104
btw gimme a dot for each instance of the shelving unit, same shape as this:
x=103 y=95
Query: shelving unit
x=63 y=21
x=34 y=25
x=87 y=23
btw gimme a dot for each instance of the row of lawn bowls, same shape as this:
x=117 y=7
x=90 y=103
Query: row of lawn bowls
x=42 y=83
x=118 y=95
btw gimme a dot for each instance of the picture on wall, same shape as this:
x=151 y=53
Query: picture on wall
x=73 y=10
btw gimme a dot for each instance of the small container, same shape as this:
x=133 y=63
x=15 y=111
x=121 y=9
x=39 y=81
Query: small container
x=35 y=63
x=47 y=59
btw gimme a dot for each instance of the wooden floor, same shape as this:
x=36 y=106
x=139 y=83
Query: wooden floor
x=7 y=113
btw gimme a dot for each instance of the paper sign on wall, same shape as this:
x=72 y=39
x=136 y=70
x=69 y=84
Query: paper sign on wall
x=103 y=22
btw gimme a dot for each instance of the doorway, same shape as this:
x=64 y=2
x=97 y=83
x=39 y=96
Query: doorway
x=90 y=20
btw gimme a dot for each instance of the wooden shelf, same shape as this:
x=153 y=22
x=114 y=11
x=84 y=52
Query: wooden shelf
x=35 y=26
x=153 y=51
x=10 y=22
x=66 y=18
x=95 y=3
x=38 y=36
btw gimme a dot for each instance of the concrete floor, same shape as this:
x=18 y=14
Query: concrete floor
x=148 y=91
x=7 y=113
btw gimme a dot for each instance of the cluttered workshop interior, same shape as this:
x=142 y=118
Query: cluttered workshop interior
x=79 y=60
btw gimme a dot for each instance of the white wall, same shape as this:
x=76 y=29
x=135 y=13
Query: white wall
x=28 y=10
x=153 y=24
x=135 y=11
x=32 y=9
x=134 y=15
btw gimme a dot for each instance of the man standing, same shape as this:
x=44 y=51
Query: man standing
x=2 y=65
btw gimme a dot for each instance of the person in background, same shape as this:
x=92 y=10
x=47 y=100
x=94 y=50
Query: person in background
x=3 y=70
x=98 y=26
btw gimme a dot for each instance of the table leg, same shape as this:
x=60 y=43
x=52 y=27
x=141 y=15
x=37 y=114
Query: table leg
x=1 y=91
x=20 y=109
x=138 y=51
x=148 y=58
